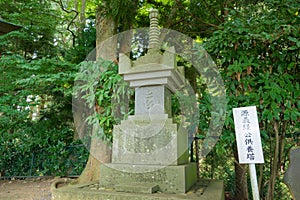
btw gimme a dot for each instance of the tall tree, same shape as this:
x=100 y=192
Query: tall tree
x=110 y=15
x=35 y=94
x=36 y=38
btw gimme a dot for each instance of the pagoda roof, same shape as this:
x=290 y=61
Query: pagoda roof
x=6 y=27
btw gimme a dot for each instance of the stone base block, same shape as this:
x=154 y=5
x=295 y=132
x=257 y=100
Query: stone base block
x=170 y=179
x=153 y=140
x=202 y=190
x=137 y=188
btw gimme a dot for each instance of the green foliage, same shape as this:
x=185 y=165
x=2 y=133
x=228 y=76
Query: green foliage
x=260 y=62
x=257 y=49
x=85 y=43
x=35 y=122
x=36 y=86
x=104 y=89
x=36 y=38
x=37 y=150
x=46 y=83
x=255 y=45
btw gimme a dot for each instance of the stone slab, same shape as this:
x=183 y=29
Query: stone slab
x=152 y=100
x=202 y=190
x=153 y=69
x=174 y=81
x=140 y=140
x=170 y=179
x=292 y=175
x=146 y=188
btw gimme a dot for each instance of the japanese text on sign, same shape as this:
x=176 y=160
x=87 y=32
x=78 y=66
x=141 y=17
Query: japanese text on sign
x=248 y=135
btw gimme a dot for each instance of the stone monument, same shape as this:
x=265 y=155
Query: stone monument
x=148 y=148
x=292 y=175
x=150 y=158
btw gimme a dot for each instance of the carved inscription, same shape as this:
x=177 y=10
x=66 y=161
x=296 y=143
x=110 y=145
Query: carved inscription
x=149 y=99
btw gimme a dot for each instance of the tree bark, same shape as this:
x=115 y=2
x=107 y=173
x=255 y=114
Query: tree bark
x=100 y=152
x=106 y=27
x=260 y=179
x=274 y=164
x=82 y=13
x=241 y=186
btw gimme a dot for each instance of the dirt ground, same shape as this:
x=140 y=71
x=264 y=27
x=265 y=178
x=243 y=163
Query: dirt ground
x=27 y=189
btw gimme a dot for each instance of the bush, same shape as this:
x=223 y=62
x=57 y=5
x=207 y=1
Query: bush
x=38 y=151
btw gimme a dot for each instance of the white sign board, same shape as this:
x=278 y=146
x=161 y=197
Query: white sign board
x=248 y=135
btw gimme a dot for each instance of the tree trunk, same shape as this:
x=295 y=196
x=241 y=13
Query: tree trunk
x=241 y=187
x=274 y=164
x=80 y=20
x=106 y=27
x=100 y=152
x=82 y=13
x=76 y=5
x=260 y=179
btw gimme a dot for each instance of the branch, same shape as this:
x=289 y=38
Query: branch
x=72 y=21
x=213 y=13
x=196 y=17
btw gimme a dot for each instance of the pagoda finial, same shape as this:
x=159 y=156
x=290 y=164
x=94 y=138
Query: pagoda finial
x=154 y=31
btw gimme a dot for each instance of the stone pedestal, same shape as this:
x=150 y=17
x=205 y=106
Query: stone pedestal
x=170 y=179
x=152 y=140
x=202 y=190
x=149 y=152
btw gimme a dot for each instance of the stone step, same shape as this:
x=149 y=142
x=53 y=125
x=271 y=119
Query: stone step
x=145 y=188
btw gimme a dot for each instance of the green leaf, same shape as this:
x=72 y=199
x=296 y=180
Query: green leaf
x=293 y=39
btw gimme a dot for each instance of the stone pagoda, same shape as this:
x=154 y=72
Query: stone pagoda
x=150 y=152
x=150 y=158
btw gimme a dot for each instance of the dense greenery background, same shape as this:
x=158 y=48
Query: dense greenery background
x=255 y=44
